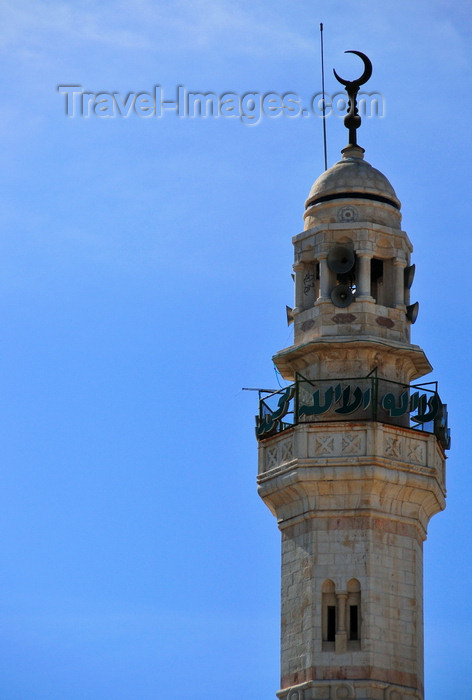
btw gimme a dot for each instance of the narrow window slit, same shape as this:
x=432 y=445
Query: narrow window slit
x=354 y=622
x=331 y=631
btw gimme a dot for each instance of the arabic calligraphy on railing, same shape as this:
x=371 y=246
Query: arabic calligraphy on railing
x=352 y=399
x=336 y=394
x=268 y=422
x=346 y=400
x=428 y=408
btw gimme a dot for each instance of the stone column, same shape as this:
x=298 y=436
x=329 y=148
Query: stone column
x=299 y=269
x=324 y=278
x=363 y=282
x=341 y=633
x=399 y=267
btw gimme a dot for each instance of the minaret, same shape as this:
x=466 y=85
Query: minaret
x=352 y=452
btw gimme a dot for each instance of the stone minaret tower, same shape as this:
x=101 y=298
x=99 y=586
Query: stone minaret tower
x=351 y=454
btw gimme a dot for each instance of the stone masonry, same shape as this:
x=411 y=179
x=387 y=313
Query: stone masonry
x=352 y=494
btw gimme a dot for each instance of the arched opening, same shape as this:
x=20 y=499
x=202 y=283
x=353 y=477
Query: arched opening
x=354 y=613
x=329 y=615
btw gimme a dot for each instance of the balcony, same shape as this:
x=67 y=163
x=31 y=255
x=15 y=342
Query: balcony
x=417 y=406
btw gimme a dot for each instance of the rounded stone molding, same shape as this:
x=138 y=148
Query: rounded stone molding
x=392 y=694
x=342 y=691
x=295 y=694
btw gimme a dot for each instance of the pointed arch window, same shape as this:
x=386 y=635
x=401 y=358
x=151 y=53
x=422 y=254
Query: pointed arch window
x=354 y=614
x=329 y=615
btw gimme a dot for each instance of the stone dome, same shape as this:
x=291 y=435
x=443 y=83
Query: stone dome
x=352 y=177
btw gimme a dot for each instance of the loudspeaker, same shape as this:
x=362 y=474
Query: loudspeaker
x=409 y=275
x=289 y=313
x=441 y=430
x=341 y=260
x=412 y=312
x=342 y=295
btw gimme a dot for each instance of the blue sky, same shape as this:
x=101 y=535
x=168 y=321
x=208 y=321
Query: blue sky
x=145 y=268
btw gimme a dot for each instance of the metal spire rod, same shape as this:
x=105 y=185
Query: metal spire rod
x=323 y=94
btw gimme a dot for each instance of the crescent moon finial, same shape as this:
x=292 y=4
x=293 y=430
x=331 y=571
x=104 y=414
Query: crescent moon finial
x=365 y=75
x=352 y=120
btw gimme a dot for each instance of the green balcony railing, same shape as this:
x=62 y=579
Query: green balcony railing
x=369 y=398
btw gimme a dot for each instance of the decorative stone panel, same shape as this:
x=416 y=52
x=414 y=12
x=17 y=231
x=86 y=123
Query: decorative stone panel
x=412 y=450
x=416 y=452
x=342 y=691
x=353 y=443
x=271 y=457
x=286 y=450
x=323 y=445
x=339 y=444
x=393 y=446
x=278 y=453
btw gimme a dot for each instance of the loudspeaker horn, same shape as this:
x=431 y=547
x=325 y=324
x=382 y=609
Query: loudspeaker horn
x=409 y=275
x=341 y=259
x=342 y=295
x=412 y=312
x=289 y=313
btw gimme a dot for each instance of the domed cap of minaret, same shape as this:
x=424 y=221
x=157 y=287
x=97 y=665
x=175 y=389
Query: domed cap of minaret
x=355 y=183
x=352 y=177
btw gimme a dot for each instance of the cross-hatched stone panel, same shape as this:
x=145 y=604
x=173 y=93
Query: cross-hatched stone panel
x=286 y=451
x=416 y=452
x=278 y=454
x=353 y=443
x=393 y=446
x=338 y=444
x=324 y=445
x=271 y=457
